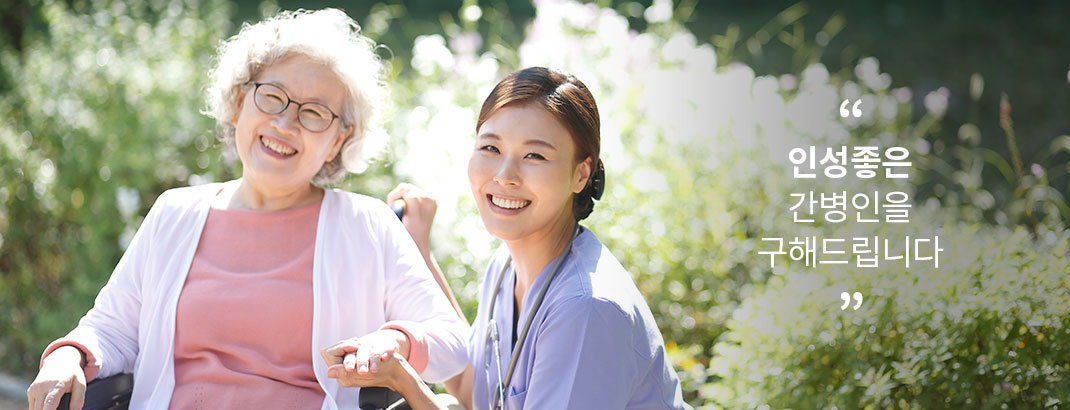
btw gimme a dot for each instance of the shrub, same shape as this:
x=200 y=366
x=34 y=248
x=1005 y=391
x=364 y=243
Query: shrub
x=989 y=329
x=103 y=117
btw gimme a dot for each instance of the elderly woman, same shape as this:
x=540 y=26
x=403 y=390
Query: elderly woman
x=228 y=291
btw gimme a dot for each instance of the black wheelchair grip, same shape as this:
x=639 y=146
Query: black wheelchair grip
x=381 y=398
x=113 y=393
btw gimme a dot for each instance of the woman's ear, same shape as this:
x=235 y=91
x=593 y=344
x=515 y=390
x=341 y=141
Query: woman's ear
x=583 y=174
x=338 y=143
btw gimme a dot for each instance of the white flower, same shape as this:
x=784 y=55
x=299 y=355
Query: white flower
x=582 y=16
x=659 y=12
x=466 y=43
x=430 y=52
x=788 y=82
x=612 y=28
x=815 y=76
x=472 y=12
x=868 y=71
x=936 y=101
x=679 y=46
x=902 y=94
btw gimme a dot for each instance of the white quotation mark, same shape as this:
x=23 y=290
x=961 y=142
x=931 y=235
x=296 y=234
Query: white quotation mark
x=846 y=298
x=855 y=110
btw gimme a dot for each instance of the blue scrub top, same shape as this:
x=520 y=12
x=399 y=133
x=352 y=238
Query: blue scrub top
x=592 y=345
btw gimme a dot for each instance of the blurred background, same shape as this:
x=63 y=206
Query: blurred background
x=100 y=106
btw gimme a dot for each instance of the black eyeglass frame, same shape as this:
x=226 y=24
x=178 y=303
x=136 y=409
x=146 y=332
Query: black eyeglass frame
x=256 y=87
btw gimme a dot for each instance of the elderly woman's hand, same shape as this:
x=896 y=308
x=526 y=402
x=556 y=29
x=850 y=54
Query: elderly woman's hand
x=396 y=374
x=419 y=213
x=60 y=373
x=391 y=371
x=363 y=354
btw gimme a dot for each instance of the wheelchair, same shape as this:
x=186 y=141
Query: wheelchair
x=113 y=393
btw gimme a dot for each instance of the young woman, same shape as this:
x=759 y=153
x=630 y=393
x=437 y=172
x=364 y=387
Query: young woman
x=228 y=291
x=560 y=323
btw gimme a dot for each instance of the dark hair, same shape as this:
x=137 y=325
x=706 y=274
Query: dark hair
x=567 y=99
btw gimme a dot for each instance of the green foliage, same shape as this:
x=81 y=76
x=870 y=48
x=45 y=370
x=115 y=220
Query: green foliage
x=983 y=186
x=102 y=118
x=986 y=330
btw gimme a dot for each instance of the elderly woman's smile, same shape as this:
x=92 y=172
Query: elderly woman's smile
x=276 y=147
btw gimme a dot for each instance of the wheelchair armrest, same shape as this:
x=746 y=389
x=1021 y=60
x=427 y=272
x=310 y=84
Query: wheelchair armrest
x=380 y=398
x=112 y=392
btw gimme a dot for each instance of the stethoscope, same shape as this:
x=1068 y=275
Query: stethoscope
x=492 y=327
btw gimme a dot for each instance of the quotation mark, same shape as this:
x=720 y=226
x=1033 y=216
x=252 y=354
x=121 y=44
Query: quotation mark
x=854 y=112
x=846 y=298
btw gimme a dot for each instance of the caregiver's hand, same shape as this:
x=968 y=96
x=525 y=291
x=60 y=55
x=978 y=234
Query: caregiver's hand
x=419 y=212
x=364 y=354
x=394 y=373
x=389 y=373
x=60 y=373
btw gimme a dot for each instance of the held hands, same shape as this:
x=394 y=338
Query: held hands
x=61 y=373
x=370 y=360
x=390 y=372
x=419 y=213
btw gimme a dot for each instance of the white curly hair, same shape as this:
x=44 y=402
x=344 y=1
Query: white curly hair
x=329 y=37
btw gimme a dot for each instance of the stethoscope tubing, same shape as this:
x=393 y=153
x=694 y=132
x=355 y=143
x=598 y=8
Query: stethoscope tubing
x=531 y=316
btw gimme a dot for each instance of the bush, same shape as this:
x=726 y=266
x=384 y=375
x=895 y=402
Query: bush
x=988 y=330
x=103 y=117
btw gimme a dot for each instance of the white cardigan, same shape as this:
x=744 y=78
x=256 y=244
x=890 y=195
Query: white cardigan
x=367 y=271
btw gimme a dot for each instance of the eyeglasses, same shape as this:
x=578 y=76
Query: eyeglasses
x=271 y=99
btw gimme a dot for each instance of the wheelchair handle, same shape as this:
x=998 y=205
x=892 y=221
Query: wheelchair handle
x=399 y=208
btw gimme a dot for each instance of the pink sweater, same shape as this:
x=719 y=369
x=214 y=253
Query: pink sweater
x=243 y=329
x=243 y=336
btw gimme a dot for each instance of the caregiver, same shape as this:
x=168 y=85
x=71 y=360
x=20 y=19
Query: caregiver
x=560 y=323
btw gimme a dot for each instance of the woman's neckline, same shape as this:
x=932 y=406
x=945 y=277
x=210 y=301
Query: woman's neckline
x=224 y=196
x=297 y=209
